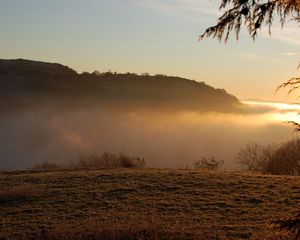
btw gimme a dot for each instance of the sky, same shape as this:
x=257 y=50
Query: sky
x=150 y=36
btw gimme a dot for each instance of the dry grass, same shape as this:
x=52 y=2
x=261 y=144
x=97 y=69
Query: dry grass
x=18 y=193
x=142 y=229
x=46 y=166
x=175 y=202
x=138 y=228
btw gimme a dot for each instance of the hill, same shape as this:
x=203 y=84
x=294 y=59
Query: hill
x=213 y=205
x=26 y=83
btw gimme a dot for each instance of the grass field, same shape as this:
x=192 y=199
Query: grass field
x=184 y=203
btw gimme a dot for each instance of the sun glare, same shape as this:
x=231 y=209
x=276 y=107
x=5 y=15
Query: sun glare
x=275 y=105
x=278 y=112
x=287 y=117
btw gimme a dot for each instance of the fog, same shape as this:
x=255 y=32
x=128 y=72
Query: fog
x=164 y=139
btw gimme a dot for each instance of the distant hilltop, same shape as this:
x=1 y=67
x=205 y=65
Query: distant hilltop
x=26 y=83
x=22 y=66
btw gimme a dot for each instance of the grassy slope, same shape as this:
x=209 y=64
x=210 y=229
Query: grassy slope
x=237 y=203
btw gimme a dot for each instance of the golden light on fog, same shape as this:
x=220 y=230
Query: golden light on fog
x=275 y=105
x=278 y=112
x=286 y=117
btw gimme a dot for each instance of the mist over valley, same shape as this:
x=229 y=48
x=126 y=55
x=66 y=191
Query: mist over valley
x=50 y=113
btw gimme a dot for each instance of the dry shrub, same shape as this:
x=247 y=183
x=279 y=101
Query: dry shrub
x=285 y=159
x=18 y=193
x=106 y=160
x=209 y=163
x=109 y=160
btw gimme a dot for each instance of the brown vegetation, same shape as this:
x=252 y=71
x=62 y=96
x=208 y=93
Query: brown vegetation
x=280 y=159
x=289 y=224
x=106 y=160
x=18 y=193
x=109 y=160
x=130 y=202
x=211 y=163
x=138 y=228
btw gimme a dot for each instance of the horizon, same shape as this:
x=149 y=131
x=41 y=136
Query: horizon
x=250 y=99
x=157 y=37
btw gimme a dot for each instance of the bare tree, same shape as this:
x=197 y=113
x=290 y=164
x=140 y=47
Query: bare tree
x=286 y=159
x=280 y=159
x=251 y=156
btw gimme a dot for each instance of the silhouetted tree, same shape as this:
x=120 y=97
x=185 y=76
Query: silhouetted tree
x=277 y=159
x=253 y=14
x=286 y=159
x=254 y=156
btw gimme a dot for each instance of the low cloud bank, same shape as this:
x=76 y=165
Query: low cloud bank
x=164 y=139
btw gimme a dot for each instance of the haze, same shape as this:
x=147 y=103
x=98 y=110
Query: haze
x=140 y=36
x=171 y=139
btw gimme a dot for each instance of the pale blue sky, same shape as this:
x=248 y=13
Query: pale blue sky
x=154 y=36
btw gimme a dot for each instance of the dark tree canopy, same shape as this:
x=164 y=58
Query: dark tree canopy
x=253 y=14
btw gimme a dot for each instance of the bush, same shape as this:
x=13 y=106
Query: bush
x=209 y=163
x=95 y=161
x=110 y=160
x=281 y=159
x=285 y=159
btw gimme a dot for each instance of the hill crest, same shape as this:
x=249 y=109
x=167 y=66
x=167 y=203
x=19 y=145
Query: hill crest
x=34 y=81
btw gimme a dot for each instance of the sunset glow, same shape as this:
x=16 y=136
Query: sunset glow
x=149 y=119
x=149 y=37
x=275 y=105
x=278 y=112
